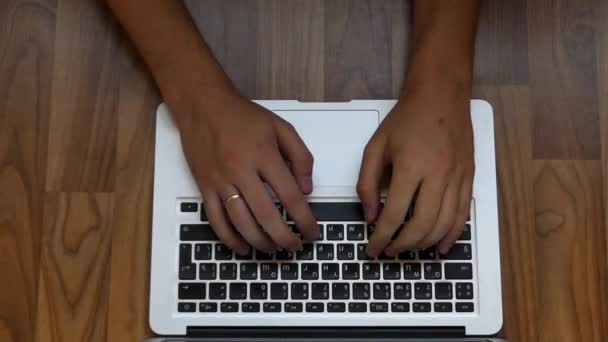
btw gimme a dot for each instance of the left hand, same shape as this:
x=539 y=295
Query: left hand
x=427 y=141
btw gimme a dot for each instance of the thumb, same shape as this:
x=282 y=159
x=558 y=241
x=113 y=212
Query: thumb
x=293 y=148
x=370 y=174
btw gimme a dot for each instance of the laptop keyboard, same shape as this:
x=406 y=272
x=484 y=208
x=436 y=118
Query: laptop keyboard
x=333 y=274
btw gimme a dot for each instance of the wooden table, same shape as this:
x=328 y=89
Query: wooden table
x=77 y=138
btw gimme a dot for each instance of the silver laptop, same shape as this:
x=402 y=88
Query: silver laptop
x=329 y=291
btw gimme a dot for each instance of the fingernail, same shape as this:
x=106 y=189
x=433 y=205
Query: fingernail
x=243 y=250
x=390 y=252
x=307 y=184
x=369 y=215
x=444 y=248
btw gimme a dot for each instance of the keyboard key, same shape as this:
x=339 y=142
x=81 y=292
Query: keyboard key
x=357 y=307
x=443 y=307
x=186 y=307
x=336 y=307
x=362 y=252
x=217 y=291
x=307 y=252
x=361 y=291
x=299 y=291
x=423 y=290
x=203 y=214
x=320 y=290
x=407 y=255
x=315 y=307
x=458 y=271
x=403 y=290
x=196 y=232
x=443 y=290
x=248 y=256
x=278 y=291
x=185 y=254
x=330 y=271
x=227 y=271
x=238 y=291
x=400 y=307
x=222 y=252
x=464 y=290
x=382 y=290
x=207 y=271
x=432 y=271
x=378 y=307
x=340 y=291
x=428 y=254
x=350 y=271
x=411 y=271
x=271 y=307
x=188 y=207
x=259 y=255
x=207 y=307
x=229 y=307
x=346 y=251
x=466 y=233
x=310 y=271
x=370 y=230
x=383 y=256
x=421 y=307
x=191 y=291
x=371 y=270
x=283 y=254
x=269 y=271
x=202 y=251
x=337 y=211
x=249 y=271
x=391 y=271
x=355 y=232
x=250 y=307
x=460 y=251
x=289 y=271
x=325 y=251
x=465 y=307
x=258 y=291
x=187 y=272
x=293 y=307
x=334 y=232
x=321 y=233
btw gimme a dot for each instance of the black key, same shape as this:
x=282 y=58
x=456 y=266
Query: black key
x=340 y=291
x=407 y=255
x=350 y=271
x=336 y=307
x=421 y=307
x=391 y=271
x=355 y=232
x=458 y=271
x=196 y=232
x=271 y=307
x=330 y=271
x=315 y=307
x=207 y=307
x=293 y=307
x=337 y=211
x=249 y=271
x=185 y=254
x=325 y=251
x=432 y=271
x=400 y=307
x=403 y=290
x=320 y=291
x=357 y=307
x=428 y=254
x=382 y=290
x=229 y=307
x=278 y=291
x=259 y=255
x=186 y=307
x=464 y=290
x=289 y=271
x=191 y=291
x=378 y=307
x=187 y=272
x=188 y=207
x=371 y=270
x=283 y=254
x=443 y=290
x=362 y=252
x=299 y=291
x=217 y=291
x=361 y=291
x=227 y=271
x=465 y=307
x=423 y=290
x=238 y=291
x=269 y=271
x=460 y=251
x=321 y=235
x=443 y=307
x=310 y=271
x=334 y=232
x=202 y=251
x=258 y=291
x=383 y=256
x=346 y=251
x=203 y=214
x=222 y=252
x=248 y=256
x=370 y=230
x=250 y=307
x=207 y=271
x=466 y=233
x=307 y=252
x=411 y=271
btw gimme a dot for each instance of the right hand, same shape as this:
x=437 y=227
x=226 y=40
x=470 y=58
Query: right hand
x=233 y=146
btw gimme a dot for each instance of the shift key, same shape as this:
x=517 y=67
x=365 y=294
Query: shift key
x=196 y=232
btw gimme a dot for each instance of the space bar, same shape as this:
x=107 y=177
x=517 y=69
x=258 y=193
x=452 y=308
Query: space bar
x=337 y=211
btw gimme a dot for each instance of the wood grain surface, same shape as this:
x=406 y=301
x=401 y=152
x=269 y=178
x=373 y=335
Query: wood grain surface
x=77 y=140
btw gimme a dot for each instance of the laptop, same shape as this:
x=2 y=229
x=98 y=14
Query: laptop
x=329 y=291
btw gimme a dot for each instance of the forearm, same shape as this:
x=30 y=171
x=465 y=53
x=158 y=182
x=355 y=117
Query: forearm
x=443 y=44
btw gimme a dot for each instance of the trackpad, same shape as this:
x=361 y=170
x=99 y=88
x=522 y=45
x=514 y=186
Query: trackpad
x=336 y=139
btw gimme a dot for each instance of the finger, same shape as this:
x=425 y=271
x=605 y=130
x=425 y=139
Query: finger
x=447 y=215
x=400 y=192
x=276 y=173
x=370 y=174
x=292 y=147
x=464 y=209
x=263 y=208
x=427 y=208
x=221 y=227
x=244 y=222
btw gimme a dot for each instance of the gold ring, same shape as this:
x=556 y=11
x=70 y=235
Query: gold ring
x=235 y=196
